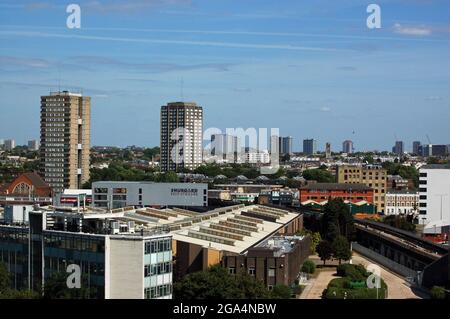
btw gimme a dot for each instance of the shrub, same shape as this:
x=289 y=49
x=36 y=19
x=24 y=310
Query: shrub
x=309 y=267
x=437 y=292
x=281 y=292
x=353 y=272
x=352 y=285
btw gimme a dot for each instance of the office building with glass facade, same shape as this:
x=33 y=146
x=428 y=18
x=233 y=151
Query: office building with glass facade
x=124 y=265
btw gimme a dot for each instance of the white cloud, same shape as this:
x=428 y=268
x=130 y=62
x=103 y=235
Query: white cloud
x=325 y=109
x=412 y=30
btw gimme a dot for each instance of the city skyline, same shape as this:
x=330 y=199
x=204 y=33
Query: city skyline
x=331 y=78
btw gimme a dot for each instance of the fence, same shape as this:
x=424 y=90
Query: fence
x=406 y=272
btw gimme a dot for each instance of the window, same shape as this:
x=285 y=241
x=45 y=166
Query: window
x=271 y=272
x=232 y=270
x=252 y=271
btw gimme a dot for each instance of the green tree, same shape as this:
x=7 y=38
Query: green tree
x=5 y=287
x=399 y=222
x=315 y=238
x=309 y=267
x=216 y=283
x=5 y=278
x=167 y=177
x=281 y=292
x=437 y=292
x=56 y=288
x=324 y=250
x=336 y=220
x=318 y=174
x=341 y=249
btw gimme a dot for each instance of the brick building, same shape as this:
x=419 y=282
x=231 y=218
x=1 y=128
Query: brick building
x=275 y=261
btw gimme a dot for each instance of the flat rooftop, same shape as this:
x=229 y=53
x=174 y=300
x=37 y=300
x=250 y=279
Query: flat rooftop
x=233 y=228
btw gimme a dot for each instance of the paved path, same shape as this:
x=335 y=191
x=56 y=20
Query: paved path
x=398 y=288
x=317 y=285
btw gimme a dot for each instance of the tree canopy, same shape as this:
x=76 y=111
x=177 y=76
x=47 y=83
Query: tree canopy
x=336 y=220
x=217 y=283
x=319 y=174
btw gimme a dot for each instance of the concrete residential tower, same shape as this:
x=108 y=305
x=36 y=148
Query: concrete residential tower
x=182 y=148
x=65 y=140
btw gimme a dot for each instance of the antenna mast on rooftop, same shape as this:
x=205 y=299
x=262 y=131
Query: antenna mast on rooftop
x=181 y=89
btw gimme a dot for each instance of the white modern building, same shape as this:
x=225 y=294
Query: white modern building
x=434 y=193
x=33 y=145
x=9 y=145
x=225 y=148
x=401 y=203
x=255 y=157
x=120 y=194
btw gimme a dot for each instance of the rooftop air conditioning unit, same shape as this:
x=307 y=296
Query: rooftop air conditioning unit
x=115 y=228
x=131 y=227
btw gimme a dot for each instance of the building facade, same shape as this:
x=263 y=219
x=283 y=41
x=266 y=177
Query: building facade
x=373 y=176
x=358 y=196
x=347 y=147
x=398 y=148
x=65 y=140
x=113 y=195
x=181 y=136
x=225 y=147
x=309 y=146
x=327 y=150
x=9 y=145
x=33 y=145
x=285 y=145
x=275 y=261
x=416 y=147
x=401 y=202
x=113 y=266
x=434 y=192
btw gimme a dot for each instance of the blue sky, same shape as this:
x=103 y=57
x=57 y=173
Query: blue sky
x=310 y=68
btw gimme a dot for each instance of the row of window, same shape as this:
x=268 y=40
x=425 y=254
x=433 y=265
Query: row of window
x=252 y=271
x=158 y=291
x=159 y=245
x=158 y=269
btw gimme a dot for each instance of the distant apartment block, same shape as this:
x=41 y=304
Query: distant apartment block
x=33 y=145
x=398 y=148
x=9 y=145
x=327 y=150
x=416 y=148
x=65 y=140
x=347 y=147
x=373 y=176
x=309 y=146
x=181 y=136
x=225 y=147
x=257 y=157
x=285 y=145
x=434 y=193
